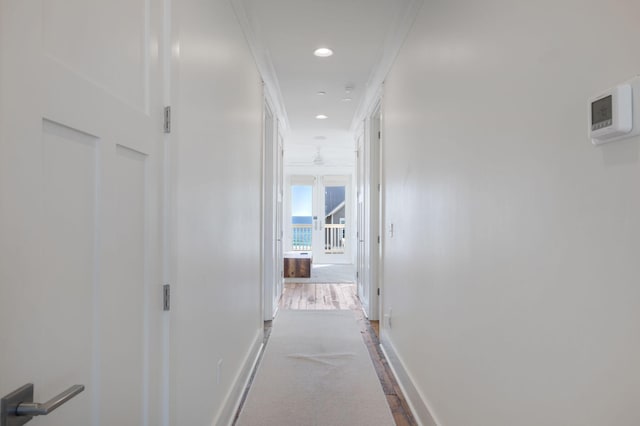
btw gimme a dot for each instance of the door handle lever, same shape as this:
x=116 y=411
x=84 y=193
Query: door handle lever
x=39 y=409
x=17 y=408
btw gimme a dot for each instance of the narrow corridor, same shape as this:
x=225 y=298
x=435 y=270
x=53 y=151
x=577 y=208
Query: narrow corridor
x=452 y=151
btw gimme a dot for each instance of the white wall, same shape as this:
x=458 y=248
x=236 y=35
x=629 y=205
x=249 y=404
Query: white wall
x=217 y=176
x=513 y=273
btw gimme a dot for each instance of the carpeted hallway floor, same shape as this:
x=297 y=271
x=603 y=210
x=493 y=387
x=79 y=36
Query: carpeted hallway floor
x=326 y=297
x=315 y=371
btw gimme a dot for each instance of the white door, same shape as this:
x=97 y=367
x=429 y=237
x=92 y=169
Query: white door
x=272 y=215
x=80 y=225
x=302 y=220
x=331 y=232
x=269 y=214
x=279 y=278
x=362 y=233
x=372 y=206
x=368 y=210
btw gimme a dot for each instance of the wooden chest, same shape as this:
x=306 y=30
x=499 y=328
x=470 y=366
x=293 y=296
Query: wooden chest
x=297 y=265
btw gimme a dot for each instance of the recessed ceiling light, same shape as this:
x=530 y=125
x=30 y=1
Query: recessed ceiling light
x=321 y=93
x=320 y=138
x=321 y=117
x=346 y=99
x=323 y=52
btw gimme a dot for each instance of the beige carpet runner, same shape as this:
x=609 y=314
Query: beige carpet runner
x=316 y=371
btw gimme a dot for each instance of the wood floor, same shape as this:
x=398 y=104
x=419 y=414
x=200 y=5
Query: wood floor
x=319 y=296
x=343 y=296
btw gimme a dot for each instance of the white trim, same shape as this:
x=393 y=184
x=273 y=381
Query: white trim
x=263 y=63
x=168 y=225
x=373 y=105
x=233 y=399
x=268 y=264
x=358 y=132
x=373 y=203
x=420 y=407
x=395 y=38
x=318 y=170
x=360 y=178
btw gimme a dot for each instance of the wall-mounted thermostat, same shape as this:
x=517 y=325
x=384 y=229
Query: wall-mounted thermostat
x=612 y=115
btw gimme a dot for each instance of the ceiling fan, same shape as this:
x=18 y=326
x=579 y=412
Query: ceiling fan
x=315 y=160
x=318 y=160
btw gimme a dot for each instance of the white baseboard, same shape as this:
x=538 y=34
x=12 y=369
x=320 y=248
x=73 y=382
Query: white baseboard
x=419 y=406
x=232 y=402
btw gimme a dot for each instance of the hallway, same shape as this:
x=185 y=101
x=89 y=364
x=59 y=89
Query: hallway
x=487 y=158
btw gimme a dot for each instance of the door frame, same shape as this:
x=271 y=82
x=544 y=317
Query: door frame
x=279 y=260
x=370 y=234
x=291 y=180
x=272 y=269
x=315 y=181
x=362 y=285
x=375 y=208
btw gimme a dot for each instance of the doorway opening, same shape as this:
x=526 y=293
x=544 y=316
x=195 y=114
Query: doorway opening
x=319 y=218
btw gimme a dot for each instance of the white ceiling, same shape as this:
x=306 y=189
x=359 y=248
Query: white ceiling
x=364 y=35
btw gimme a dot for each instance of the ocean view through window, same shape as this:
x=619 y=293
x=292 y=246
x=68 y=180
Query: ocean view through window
x=301 y=217
x=302 y=229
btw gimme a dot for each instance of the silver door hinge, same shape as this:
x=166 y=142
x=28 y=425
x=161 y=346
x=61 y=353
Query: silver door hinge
x=378 y=187
x=379 y=134
x=378 y=239
x=357 y=274
x=167 y=119
x=166 y=297
x=378 y=291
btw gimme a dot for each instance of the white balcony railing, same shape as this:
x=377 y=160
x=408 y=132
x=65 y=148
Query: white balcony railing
x=302 y=236
x=334 y=238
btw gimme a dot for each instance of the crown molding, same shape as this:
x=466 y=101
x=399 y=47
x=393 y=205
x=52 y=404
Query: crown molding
x=264 y=64
x=393 y=42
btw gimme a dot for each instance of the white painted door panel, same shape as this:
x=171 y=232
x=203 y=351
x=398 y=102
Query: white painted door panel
x=80 y=282
x=279 y=276
x=331 y=240
x=374 y=233
x=362 y=234
x=269 y=215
